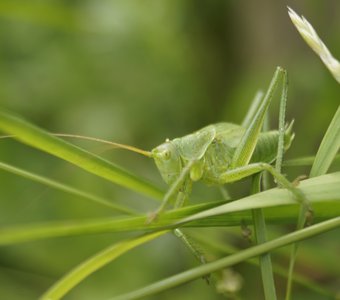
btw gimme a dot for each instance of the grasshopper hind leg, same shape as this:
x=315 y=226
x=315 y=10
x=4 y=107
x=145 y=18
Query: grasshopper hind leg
x=254 y=168
x=240 y=167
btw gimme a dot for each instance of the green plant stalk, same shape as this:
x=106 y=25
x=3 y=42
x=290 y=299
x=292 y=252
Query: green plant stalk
x=331 y=142
x=65 y=188
x=228 y=261
x=328 y=148
x=40 y=139
x=258 y=215
x=78 y=274
x=261 y=237
x=281 y=125
x=219 y=247
x=327 y=151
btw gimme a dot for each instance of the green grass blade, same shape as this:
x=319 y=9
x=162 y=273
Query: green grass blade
x=329 y=147
x=65 y=188
x=321 y=188
x=30 y=232
x=230 y=260
x=78 y=274
x=37 y=231
x=278 y=204
x=220 y=247
x=261 y=237
x=38 y=138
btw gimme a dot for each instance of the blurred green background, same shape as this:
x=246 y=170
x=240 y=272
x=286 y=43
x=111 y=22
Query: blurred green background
x=137 y=72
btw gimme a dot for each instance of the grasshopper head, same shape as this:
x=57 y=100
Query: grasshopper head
x=168 y=161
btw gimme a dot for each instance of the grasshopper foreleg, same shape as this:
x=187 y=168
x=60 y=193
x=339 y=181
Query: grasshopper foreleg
x=181 y=186
x=175 y=188
x=225 y=193
x=193 y=248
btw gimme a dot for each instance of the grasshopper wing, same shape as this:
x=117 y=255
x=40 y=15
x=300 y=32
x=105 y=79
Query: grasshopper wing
x=193 y=146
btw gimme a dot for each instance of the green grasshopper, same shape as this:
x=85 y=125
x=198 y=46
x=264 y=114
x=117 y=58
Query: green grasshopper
x=224 y=152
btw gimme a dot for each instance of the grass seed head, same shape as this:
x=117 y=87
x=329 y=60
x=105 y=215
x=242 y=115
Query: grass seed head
x=313 y=40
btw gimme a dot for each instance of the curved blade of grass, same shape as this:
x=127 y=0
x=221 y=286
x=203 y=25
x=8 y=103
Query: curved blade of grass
x=37 y=231
x=40 y=139
x=329 y=147
x=230 y=260
x=278 y=205
x=315 y=189
x=30 y=232
x=78 y=274
x=64 y=188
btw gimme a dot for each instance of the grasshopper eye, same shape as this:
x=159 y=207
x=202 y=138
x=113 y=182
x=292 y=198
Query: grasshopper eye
x=166 y=154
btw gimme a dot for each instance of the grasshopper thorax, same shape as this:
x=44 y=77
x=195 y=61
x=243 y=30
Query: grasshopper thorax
x=168 y=161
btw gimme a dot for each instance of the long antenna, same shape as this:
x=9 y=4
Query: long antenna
x=115 y=145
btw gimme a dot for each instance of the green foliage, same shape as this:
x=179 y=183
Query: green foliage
x=323 y=189
x=138 y=73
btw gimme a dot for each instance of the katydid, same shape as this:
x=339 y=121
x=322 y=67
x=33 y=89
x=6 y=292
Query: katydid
x=225 y=152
